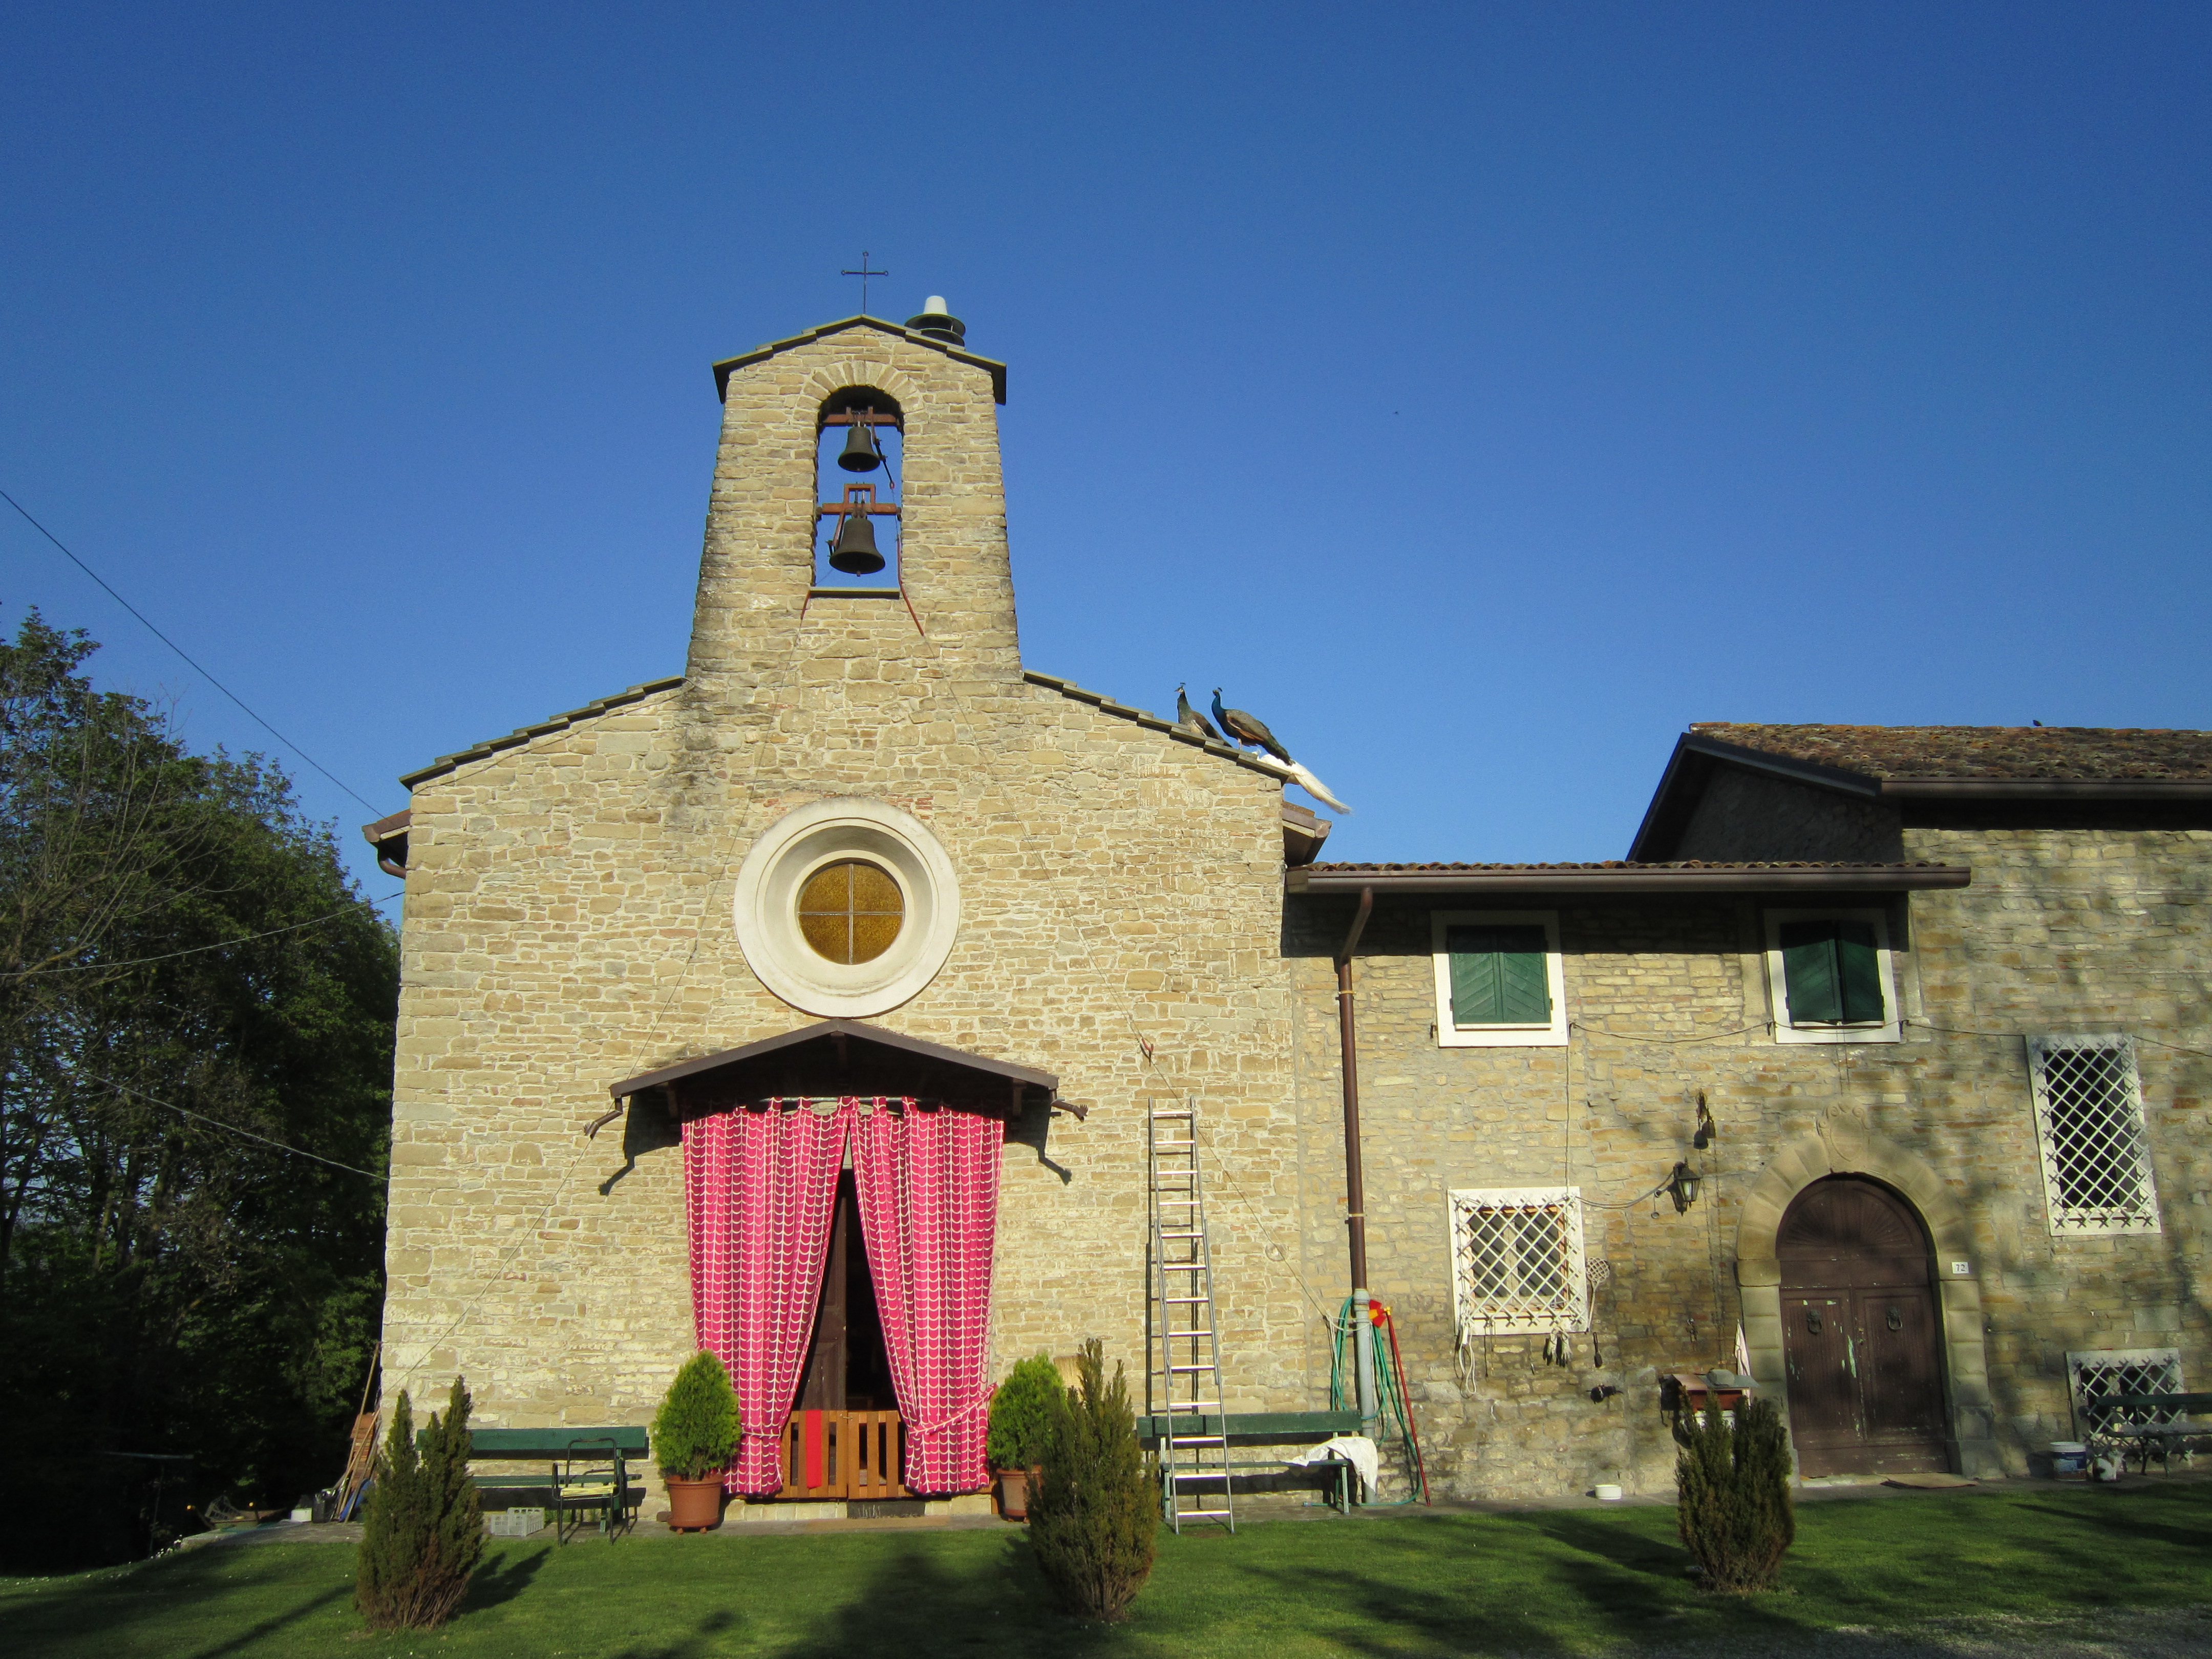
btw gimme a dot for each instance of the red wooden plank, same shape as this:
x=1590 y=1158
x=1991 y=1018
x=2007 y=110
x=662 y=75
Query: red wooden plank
x=817 y=1476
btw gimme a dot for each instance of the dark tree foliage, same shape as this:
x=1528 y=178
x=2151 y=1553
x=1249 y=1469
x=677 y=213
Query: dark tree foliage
x=423 y=1537
x=1733 y=1496
x=1095 y=1517
x=166 y=1285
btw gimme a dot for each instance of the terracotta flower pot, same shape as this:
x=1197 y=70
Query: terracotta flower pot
x=1014 y=1494
x=694 y=1506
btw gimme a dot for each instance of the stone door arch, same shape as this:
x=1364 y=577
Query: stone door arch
x=1843 y=1145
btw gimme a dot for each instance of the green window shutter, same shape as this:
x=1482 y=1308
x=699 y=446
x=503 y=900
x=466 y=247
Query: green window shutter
x=1808 y=968
x=1474 y=980
x=1499 y=975
x=1833 y=973
x=1526 y=981
x=1859 y=973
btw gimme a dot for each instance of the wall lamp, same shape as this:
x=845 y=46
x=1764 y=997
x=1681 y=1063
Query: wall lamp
x=1682 y=1188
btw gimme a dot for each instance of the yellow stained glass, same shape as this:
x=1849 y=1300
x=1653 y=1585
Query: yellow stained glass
x=829 y=889
x=872 y=935
x=831 y=936
x=874 y=891
x=851 y=911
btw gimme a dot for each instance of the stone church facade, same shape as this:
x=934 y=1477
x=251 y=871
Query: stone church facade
x=608 y=940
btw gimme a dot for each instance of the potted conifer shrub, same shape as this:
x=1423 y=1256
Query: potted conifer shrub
x=1094 y=1518
x=1021 y=1417
x=694 y=1435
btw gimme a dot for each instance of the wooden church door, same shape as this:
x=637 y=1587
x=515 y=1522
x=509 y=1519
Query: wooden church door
x=1861 y=1337
x=844 y=1437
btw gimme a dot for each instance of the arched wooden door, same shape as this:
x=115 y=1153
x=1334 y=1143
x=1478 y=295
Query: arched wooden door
x=1860 y=1333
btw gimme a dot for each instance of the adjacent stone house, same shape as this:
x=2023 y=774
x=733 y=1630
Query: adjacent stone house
x=1936 y=1220
x=816 y=1004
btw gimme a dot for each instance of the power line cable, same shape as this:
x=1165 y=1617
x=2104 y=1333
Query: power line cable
x=194 y=950
x=181 y=652
x=1638 y=1036
x=2016 y=1036
x=124 y=1088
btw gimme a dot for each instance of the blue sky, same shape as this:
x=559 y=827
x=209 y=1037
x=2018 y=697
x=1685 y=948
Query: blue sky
x=1478 y=393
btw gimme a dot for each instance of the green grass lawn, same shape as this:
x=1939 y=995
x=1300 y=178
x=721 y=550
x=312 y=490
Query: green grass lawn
x=1570 y=1581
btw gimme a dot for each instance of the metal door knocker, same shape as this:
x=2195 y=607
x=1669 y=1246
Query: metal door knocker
x=1896 y=1319
x=1813 y=1320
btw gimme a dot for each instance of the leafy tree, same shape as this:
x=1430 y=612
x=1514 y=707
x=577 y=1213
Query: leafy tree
x=184 y=964
x=1094 y=1519
x=422 y=1537
x=1021 y=1413
x=1733 y=1496
x=695 y=1430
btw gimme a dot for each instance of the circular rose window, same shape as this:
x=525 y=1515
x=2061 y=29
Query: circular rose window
x=846 y=907
x=851 y=911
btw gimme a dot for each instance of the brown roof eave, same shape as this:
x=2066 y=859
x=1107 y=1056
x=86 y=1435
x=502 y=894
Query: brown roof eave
x=1608 y=883
x=2035 y=789
x=849 y=1027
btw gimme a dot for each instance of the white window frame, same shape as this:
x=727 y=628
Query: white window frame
x=2068 y=1222
x=1477 y=1314
x=1891 y=1026
x=2105 y=1360
x=1448 y=1036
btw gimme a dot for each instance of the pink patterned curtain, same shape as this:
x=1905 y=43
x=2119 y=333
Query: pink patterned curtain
x=928 y=1187
x=760 y=1187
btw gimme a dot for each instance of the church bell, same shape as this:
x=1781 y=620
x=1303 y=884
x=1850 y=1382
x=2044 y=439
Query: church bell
x=854 y=552
x=859 y=453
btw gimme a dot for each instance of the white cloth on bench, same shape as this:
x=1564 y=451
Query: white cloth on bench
x=1356 y=1449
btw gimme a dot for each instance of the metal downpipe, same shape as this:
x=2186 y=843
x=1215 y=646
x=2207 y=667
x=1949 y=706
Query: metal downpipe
x=1355 y=1180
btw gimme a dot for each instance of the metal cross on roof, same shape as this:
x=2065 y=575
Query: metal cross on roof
x=864 y=273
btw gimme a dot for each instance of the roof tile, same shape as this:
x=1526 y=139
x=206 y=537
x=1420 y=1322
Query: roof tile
x=2068 y=753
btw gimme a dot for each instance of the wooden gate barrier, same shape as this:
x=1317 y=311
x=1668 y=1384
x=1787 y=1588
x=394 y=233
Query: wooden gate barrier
x=850 y=1455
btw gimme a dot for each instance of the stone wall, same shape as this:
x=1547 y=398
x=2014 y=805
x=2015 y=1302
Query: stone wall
x=2061 y=932
x=2079 y=930
x=1609 y=1114
x=1743 y=814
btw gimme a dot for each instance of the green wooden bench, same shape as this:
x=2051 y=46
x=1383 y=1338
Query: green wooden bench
x=2139 y=1423
x=585 y=1470
x=1249 y=1429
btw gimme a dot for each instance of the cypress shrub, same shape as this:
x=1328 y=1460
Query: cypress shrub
x=1732 y=1500
x=1093 y=1518
x=695 y=1430
x=1021 y=1413
x=424 y=1535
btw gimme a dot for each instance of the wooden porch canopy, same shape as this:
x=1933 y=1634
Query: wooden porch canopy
x=839 y=1058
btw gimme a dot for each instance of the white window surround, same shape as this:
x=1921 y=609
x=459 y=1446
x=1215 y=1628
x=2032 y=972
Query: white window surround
x=2122 y=1370
x=1525 y=1273
x=1890 y=1029
x=1449 y=1036
x=2102 y=1140
x=822 y=832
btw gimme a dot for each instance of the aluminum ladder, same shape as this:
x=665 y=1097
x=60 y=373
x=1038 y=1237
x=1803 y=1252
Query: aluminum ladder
x=1184 y=1379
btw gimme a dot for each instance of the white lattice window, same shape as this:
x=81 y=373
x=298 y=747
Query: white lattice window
x=1518 y=1261
x=2090 y=1377
x=2089 y=1121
